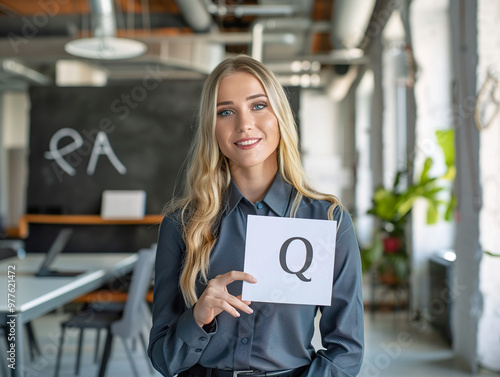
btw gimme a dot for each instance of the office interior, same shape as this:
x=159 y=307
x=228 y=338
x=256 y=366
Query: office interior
x=397 y=104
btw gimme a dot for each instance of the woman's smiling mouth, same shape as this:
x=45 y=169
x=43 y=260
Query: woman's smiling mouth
x=247 y=143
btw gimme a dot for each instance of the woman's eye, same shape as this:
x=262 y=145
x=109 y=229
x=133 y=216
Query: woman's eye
x=224 y=113
x=259 y=106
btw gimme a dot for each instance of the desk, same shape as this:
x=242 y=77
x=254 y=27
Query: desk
x=36 y=296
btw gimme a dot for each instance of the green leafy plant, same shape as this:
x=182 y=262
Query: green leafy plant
x=393 y=205
x=492 y=254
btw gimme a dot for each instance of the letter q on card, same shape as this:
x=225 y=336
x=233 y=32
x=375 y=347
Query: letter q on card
x=291 y=258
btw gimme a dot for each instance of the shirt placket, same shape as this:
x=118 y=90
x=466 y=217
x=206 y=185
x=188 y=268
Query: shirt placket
x=246 y=322
x=245 y=341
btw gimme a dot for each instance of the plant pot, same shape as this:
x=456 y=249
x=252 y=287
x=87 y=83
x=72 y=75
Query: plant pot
x=388 y=277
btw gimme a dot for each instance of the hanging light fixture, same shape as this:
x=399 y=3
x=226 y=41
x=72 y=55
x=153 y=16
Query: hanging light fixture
x=104 y=44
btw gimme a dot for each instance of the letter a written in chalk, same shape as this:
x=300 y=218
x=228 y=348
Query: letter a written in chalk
x=103 y=146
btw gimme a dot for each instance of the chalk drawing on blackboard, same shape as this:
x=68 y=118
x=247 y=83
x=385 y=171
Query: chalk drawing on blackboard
x=102 y=146
x=57 y=154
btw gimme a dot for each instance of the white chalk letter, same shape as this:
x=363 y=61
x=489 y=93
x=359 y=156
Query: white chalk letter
x=102 y=146
x=58 y=154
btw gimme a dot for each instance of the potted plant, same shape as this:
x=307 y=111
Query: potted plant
x=391 y=206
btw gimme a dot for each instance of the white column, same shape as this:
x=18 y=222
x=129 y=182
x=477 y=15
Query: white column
x=488 y=76
x=431 y=38
x=14 y=147
x=467 y=306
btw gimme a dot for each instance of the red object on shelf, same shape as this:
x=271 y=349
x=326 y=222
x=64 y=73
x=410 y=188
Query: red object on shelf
x=392 y=245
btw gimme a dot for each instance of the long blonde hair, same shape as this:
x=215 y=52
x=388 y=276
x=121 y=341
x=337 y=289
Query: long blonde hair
x=208 y=176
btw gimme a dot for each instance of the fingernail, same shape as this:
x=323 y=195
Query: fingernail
x=249 y=310
x=254 y=279
x=238 y=314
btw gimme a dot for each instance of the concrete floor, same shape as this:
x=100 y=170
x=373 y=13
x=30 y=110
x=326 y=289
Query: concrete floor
x=394 y=347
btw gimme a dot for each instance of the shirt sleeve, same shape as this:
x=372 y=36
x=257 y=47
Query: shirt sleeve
x=341 y=324
x=176 y=341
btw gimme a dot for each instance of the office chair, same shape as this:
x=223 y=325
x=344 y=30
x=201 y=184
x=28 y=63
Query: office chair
x=110 y=300
x=127 y=326
x=7 y=252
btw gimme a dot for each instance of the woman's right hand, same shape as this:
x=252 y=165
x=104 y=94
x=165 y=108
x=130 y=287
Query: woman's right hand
x=216 y=298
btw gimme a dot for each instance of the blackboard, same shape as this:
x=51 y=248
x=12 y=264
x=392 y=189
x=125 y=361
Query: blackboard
x=148 y=131
x=120 y=137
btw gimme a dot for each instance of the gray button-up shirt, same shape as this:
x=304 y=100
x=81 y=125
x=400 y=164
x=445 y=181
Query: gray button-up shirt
x=275 y=336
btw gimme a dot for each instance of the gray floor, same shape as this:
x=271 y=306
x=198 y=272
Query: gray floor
x=393 y=348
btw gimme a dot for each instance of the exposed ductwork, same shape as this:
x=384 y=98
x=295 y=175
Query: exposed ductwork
x=21 y=71
x=196 y=15
x=350 y=20
x=274 y=37
x=354 y=24
x=275 y=10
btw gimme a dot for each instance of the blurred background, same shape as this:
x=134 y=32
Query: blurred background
x=397 y=104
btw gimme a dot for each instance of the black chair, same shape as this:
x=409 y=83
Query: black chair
x=128 y=325
x=7 y=252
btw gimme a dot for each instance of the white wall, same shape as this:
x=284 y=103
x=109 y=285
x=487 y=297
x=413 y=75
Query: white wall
x=15 y=119
x=364 y=181
x=320 y=137
x=489 y=60
x=431 y=47
x=15 y=128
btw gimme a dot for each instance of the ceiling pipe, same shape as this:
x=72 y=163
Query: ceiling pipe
x=262 y=10
x=196 y=15
x=17 y=69
x=355 y=25
x=248 y=10
x=258 y=28
x=350 y=20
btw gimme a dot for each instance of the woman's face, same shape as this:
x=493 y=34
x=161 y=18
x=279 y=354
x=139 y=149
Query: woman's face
x=246 y=128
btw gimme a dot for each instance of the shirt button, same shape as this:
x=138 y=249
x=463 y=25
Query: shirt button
x=198 y=350
x=202 y=339
x=260 y=205
x=244 y=340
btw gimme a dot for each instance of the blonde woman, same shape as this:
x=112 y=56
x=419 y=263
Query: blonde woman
x=245 y=160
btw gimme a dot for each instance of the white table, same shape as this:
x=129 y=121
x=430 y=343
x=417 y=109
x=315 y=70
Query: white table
x=36 y=296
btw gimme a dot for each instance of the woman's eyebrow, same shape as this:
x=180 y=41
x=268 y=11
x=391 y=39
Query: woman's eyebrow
x=248 y=98
x=256 y=96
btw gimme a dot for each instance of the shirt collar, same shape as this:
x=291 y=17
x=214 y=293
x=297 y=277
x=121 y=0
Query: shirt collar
x=278 y=196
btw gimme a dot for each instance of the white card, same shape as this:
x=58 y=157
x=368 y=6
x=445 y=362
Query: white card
x=292 y=260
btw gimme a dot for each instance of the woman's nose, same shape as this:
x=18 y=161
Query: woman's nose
x=245 y=122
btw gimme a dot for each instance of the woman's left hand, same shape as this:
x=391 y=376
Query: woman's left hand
x=216 y=298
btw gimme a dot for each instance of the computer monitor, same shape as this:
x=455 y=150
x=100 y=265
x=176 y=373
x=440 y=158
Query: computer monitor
x=55 y=249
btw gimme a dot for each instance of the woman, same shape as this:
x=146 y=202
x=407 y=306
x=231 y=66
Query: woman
x=245 y=160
